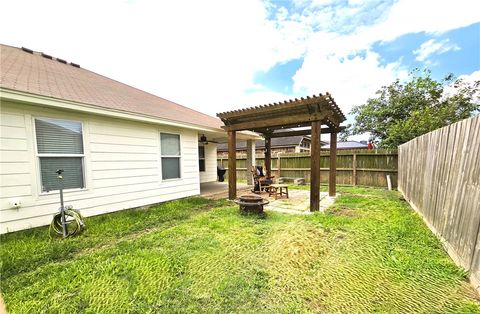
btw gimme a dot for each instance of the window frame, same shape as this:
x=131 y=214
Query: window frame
x=40 y=155
x=200 y=159
x=180 y=156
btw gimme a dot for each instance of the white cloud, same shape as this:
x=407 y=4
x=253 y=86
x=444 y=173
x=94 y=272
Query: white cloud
x=322 y=2
x=431 y=16
x=471 y=78
x=344 y=64
x=204 y=54
x=351 y=80
x=432 y=46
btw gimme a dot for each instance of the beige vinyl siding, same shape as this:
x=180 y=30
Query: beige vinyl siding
x=210 y=173
x=15 y=166
x=122 y=167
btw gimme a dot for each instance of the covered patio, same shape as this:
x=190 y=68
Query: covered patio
x=304 y=116
x=217 y=189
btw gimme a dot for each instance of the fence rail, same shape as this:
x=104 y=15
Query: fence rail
x=354 y=167
x=439 y=174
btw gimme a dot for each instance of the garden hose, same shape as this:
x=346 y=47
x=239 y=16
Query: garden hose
x=73 y=222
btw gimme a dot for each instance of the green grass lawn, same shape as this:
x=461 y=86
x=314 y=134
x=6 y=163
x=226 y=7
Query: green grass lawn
x=369 y=253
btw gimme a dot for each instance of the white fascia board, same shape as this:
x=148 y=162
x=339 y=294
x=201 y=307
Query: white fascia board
x=248 y=135
x=32 y=99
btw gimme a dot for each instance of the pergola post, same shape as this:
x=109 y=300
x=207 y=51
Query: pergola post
x=315 y=167
x=332 y=180
x=268 y=155
x=232 y=165
x=250 y=160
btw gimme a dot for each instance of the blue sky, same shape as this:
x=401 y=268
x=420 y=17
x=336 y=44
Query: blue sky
x=455 y=49
x=463 y=58
x=280 y=77
x=219 y=55
x=443 y=50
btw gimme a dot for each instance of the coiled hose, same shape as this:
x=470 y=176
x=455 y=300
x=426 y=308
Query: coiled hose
x=74 y=223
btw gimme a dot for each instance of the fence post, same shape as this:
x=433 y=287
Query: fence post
x=354 y=167
x=278 y=164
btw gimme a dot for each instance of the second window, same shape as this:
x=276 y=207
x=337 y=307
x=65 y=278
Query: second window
x=171 y=155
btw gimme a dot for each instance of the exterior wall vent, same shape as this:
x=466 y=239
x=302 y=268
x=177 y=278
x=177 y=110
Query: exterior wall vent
x=61 y=60
x=27 y=50
x=74 y=65
x=47 y=56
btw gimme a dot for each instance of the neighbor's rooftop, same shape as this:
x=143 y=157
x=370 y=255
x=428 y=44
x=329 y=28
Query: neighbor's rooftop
x=347 y=145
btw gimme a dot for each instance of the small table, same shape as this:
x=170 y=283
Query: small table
x=279 y=190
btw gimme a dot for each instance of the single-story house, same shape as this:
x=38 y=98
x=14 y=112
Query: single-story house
x=292 y=144
x=347 y=145
x=120 y=147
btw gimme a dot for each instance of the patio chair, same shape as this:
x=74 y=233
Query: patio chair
x=261 y=181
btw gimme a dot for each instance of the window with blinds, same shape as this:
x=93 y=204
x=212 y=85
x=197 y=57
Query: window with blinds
x=171 y=154
x=60 y=146
x=201 y=158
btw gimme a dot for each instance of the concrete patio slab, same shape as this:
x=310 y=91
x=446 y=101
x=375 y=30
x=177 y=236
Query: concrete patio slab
x=298 y=202
x=216 y=190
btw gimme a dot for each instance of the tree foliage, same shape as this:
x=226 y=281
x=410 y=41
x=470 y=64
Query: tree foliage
x=403 y=111
x=345 y=133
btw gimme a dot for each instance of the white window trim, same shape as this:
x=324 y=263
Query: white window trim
x=39 y=155
x=171 y=156
x=204 y=159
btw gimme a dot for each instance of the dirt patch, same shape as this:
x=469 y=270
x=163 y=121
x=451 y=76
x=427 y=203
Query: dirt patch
x=299 y=202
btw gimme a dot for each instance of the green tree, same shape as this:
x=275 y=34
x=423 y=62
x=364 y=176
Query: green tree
x=403 y=111
x=345 y=133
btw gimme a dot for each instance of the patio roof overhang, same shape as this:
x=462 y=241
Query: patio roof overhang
x=221 y=137
x=271 y=120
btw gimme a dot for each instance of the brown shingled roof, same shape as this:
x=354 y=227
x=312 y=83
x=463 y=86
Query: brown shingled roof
x=27 y=71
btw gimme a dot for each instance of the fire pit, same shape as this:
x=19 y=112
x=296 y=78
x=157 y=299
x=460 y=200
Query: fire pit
x=251 y=203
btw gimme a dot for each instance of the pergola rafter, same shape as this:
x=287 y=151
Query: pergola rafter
x=270 y=119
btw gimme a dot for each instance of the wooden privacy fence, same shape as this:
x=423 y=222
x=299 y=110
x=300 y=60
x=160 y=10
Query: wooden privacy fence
x=354 y=167
x=439 y=175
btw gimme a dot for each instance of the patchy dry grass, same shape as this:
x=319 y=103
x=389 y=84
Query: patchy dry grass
x=369 y=253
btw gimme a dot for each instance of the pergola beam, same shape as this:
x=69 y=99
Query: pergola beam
x=333 y=120
x=305 y=132
x=278 y=121
x=286 y=105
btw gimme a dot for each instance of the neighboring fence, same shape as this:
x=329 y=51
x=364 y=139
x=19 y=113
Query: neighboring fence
x=439 y=174
x=354 y=167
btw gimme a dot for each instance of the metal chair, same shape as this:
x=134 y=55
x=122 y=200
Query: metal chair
x=261 y=182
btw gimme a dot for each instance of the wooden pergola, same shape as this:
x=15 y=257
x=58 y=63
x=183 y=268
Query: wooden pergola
x=271 y=120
